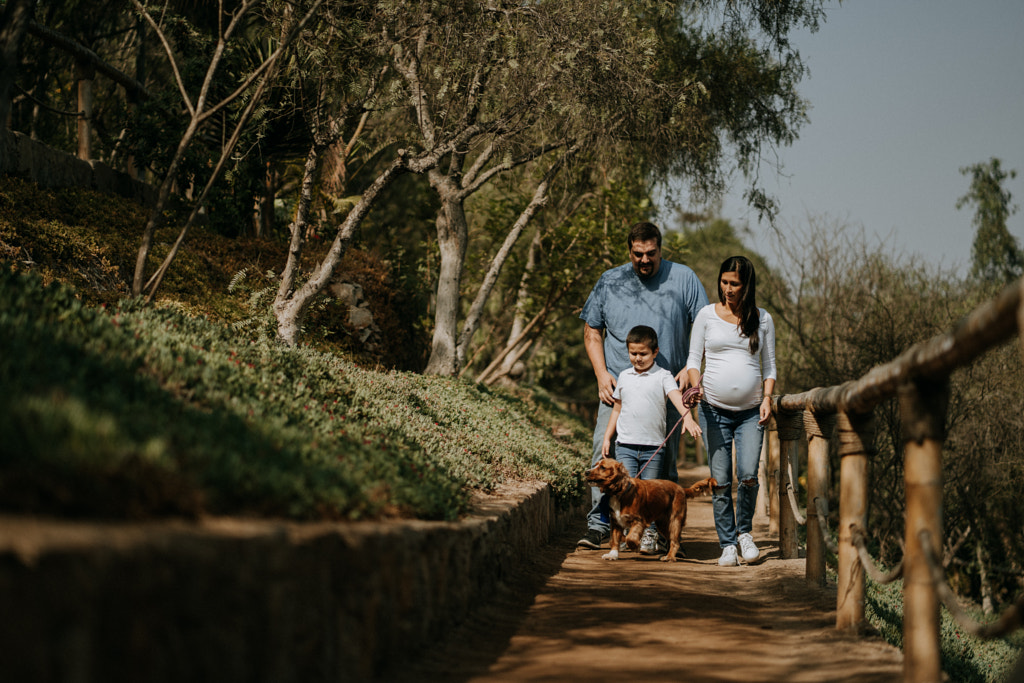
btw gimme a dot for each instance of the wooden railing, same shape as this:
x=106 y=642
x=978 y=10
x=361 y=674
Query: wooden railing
x=87 y=65
x=920 y=379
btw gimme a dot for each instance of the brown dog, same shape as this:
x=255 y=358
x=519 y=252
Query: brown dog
x=634 y=503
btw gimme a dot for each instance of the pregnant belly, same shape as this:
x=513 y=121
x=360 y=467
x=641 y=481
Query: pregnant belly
x=737 y=393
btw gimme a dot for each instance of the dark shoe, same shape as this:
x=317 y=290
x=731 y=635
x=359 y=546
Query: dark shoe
x=592 y=539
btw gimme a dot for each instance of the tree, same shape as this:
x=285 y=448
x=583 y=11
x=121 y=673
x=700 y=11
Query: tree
x=14 y=21
x=850 y=305
x=503 y=88
x=386 y=27
x=629 y=83
x=995 y=255
x=591 y=212
x=502 y=67
x=196 y=97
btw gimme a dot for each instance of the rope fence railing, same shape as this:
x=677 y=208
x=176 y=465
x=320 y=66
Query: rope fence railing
x=791 y=494
x=858 y=536
x=823 y=526
x=1009 y=621
x=840 y=419
x=860 y=540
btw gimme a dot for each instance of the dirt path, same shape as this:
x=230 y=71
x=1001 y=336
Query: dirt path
x=574 y=616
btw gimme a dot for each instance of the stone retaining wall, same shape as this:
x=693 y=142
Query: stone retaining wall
x=250 y=600
x=24 y=157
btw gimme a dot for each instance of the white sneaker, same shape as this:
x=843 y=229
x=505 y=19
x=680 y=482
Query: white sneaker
x=728 y=558
x=649 y=542
x=748 y=550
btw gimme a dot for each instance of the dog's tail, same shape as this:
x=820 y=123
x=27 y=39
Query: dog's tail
x=702 y=487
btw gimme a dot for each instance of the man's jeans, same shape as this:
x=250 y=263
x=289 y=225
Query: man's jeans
x=597 y=518
x=721 y=427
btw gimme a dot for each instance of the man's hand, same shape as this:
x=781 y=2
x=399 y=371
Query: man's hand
x=605 y=387
x=593 y=342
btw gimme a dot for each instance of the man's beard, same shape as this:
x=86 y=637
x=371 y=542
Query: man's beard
x=645 y=276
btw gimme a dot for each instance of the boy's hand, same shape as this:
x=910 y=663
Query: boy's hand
x=690 y=426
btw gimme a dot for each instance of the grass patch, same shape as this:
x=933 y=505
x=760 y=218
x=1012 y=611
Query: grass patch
x=124 y=411
x=965 y=658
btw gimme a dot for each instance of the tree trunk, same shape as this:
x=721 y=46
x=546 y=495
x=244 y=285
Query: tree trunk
x=516 y=344
x=452 y=232
x=986 y=590
x=199 y=112
x=264 y=223
x=472 y=323
x=85 y=75
x=156 y=213
x=13 y=23
x=200 y=201
x=522 y=342
x=519 y=321
x=289 y=308
x=310 y=175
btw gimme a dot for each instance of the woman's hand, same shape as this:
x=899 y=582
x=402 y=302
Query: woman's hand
x=765 y=410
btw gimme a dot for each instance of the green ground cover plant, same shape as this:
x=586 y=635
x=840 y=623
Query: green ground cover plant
x=131 y=411
x=965 y=657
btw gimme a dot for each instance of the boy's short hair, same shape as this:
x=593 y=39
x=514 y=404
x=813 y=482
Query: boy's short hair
x=642 y=334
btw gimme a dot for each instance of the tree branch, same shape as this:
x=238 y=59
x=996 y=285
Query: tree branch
x=534 y=153
x=540 y=196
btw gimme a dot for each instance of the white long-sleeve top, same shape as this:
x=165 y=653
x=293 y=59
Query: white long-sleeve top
x=733 y=377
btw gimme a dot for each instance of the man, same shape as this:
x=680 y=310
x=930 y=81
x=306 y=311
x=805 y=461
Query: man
x=646 y=291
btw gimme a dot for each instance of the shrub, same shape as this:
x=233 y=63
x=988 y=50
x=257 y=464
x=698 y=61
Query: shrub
x=140 y=411
x=965 y=658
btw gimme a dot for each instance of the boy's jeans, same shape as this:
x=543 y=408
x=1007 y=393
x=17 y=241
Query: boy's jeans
x=597 y=518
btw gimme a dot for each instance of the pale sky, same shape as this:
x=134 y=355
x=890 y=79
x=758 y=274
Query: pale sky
x=903 y=94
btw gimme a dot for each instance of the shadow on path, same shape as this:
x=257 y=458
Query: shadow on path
x=571 y=615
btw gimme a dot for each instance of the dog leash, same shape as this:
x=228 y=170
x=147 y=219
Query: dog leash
x=689 y=401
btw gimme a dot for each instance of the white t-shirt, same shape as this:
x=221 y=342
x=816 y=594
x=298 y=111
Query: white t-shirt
x=642 y=417
x=733 y=377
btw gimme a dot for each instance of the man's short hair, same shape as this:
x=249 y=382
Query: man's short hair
x=643 y=232
x=642 y=334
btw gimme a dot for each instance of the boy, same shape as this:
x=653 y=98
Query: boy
x=638 y=415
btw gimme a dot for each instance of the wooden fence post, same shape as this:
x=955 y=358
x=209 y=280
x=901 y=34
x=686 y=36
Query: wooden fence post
x=819 y=430
x=790 y=427
x=1020 y=317
x=856 y=445
x=923 y=415
x=772 y=477
x=85 y=73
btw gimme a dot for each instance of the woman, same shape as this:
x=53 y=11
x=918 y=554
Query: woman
x=736 y=340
